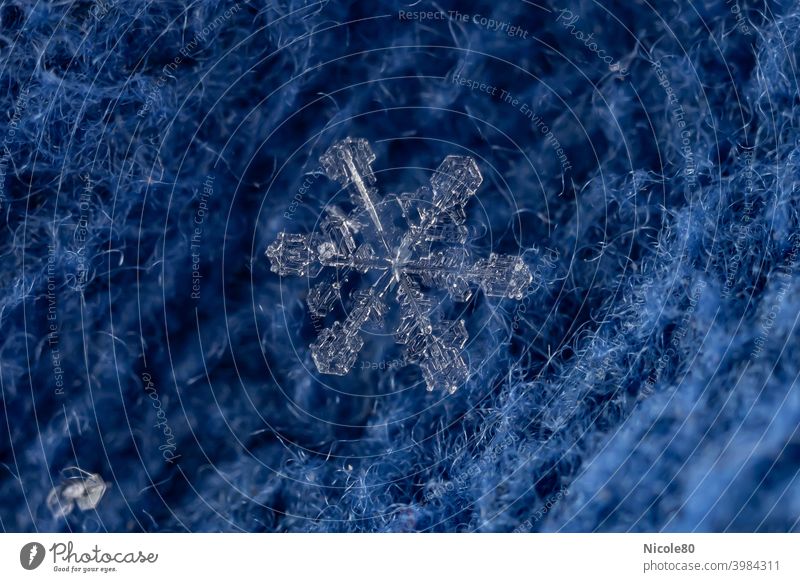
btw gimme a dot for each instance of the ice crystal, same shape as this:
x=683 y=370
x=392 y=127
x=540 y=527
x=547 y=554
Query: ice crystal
x=407 y=245
x=79 y=488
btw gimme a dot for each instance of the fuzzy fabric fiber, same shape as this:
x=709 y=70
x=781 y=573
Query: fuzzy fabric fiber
x=644 y=156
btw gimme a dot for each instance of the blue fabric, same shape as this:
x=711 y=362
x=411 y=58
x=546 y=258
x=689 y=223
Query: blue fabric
x=646 y=158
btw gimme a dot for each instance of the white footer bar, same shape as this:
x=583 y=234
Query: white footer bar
x=389 y=557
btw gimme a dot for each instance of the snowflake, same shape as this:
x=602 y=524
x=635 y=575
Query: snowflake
x=408 y=245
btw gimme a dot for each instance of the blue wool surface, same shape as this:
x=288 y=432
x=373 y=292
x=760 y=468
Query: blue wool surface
x=152 y=150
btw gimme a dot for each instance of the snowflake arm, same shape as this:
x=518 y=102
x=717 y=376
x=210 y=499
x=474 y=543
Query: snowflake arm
x=498 y=276
x=349 y=162
x=434 y=345
x=294 y=254
x=453 y=183
x=338 y=346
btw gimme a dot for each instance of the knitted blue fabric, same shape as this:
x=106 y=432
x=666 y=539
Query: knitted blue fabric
x=644 y=158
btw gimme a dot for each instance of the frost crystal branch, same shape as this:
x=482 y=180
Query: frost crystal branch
x=406 y=245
